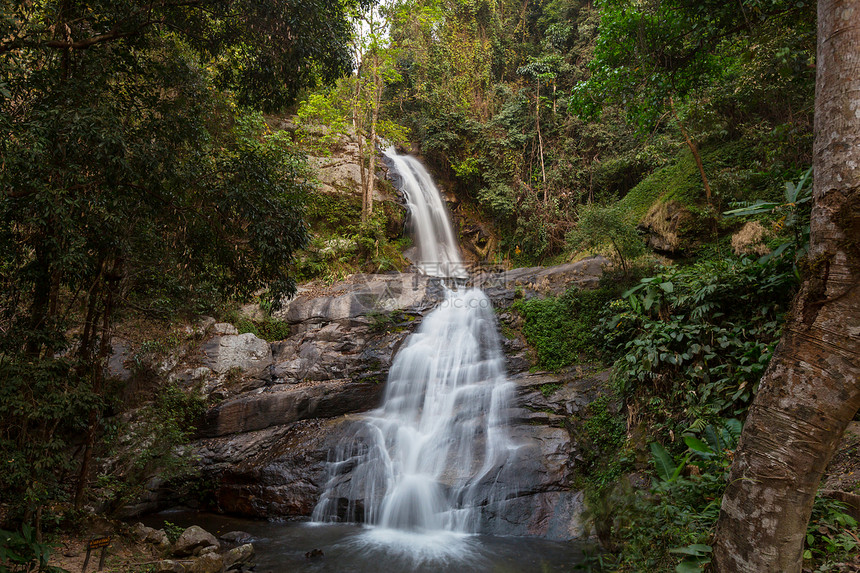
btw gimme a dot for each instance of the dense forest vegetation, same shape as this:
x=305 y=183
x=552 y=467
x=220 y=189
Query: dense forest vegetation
x=141 y=180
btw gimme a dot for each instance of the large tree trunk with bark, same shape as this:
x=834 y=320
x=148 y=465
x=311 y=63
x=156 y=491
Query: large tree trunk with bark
x=811 y=390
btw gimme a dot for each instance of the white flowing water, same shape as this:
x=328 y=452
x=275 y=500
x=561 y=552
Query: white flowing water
x=433 y=457
x=437 y=252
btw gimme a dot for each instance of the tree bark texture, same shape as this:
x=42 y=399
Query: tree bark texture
x=811 y=390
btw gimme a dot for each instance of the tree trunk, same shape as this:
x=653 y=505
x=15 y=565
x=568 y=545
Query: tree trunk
x=694 y=149
x=811 y=390
x=375 y=102
x=98 y=363
x=540 y=144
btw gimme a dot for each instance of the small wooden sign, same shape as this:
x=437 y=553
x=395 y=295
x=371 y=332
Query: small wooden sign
x=98 y=542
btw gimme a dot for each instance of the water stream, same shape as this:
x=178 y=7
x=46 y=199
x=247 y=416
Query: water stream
x=423 y=480
x=435 y=454
x=437 y=251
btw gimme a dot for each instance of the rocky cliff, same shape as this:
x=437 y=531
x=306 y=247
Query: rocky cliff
x=278 y=409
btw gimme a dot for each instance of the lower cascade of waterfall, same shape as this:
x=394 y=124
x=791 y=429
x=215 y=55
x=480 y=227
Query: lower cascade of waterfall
x=434 y=457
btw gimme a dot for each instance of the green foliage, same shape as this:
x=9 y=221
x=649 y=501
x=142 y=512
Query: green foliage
x=269 y=329
x=151 y=443
x=549 y=389
x=23 y=552
x=701 y=336
x=606 y=227
x=342 y=244
x=173 y=531
x=791 y=216
x=831 y=536
x=322 y=120
x=43 y=410
x=648 y=530
x=602 y=446
x=136 y=179
x=653 y=50
x=560 y=328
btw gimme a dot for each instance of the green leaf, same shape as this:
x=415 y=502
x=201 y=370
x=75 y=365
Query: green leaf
x=756 y=208
x=696 y=550
x=667 y=287
x=691 y=566
x=698 y=445
x=713 y=439
x=663 y=462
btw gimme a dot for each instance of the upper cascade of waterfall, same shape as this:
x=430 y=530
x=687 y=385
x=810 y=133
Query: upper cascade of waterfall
x=437 y=250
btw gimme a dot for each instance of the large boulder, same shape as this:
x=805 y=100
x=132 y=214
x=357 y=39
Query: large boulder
x=207 y=563
x=243 y=352
x=361 y=296
x=238 y=557
x=503 y=288
x=284 y=404
x=666 y=227
x=192 y=540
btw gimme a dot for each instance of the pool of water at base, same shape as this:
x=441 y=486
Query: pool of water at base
x=286 y=546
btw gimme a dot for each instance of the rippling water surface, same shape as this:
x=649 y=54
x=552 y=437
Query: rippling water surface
x=281 y=548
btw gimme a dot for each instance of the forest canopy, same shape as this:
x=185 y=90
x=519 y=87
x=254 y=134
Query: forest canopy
x=137 y=174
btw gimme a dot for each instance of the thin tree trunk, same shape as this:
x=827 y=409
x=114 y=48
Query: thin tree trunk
x=540 y=144
x=374 y=118
x=811 y=390
x=97 y=368
x=694 y=149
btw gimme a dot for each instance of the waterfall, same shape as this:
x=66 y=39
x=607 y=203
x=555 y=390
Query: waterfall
x=437 y=253
x=434 y=455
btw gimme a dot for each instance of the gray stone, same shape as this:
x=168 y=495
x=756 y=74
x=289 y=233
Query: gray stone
x=556 y=515
x=194 y=538
x=140 y=532
x=204 y=323
x=503 y=288
x=169 y=566
x=284 y=404
x=282 y=473
x=208 y=563
x=158 y=537
x=225 y=328
x=244 y=352
x=239 y=556
x=363 y=295
x=116 y=367
x=241 y=537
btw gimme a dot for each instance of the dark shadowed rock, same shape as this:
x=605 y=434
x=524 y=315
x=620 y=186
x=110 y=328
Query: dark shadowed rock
x=285 y=404
x=193 y=539
x=238 y=537
x=238 y=556
x=285 y=477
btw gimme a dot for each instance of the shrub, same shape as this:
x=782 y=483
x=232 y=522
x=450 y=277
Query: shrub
x=561 y=328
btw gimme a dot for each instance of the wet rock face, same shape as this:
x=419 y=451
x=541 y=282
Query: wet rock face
x=279 y=409
x=284 y=474
x=504 y=288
